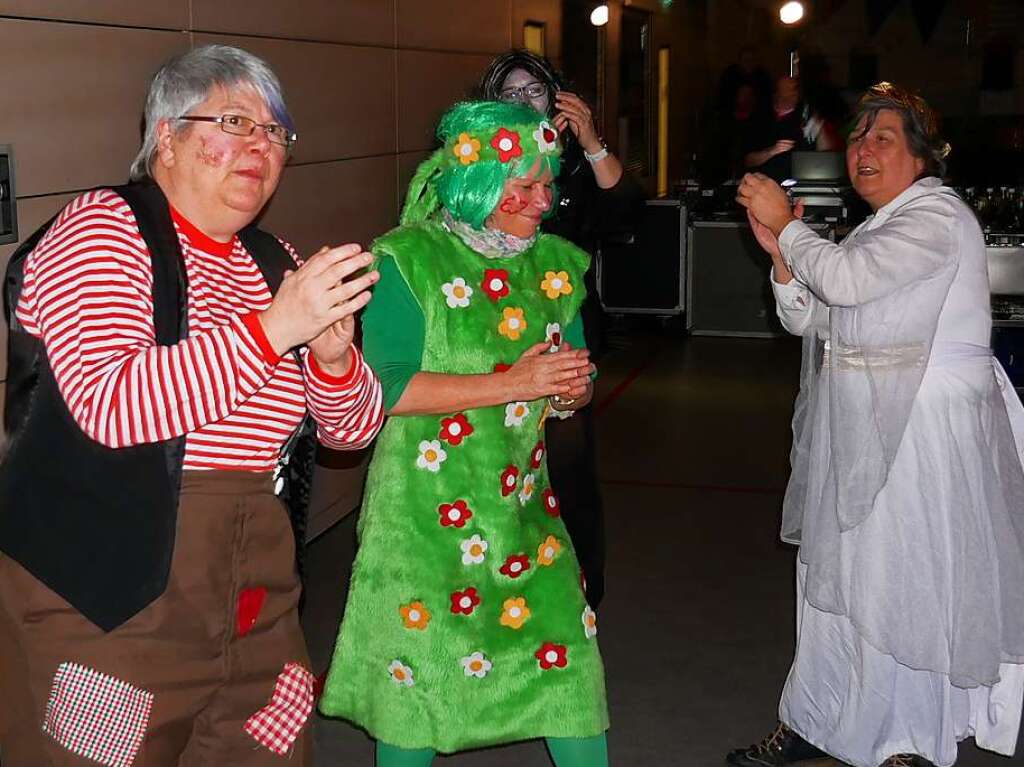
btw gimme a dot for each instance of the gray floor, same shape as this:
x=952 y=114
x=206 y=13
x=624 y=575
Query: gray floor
x=697 y=628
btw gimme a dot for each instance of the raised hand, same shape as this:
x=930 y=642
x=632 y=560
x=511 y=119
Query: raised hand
x=571 y=110
x=766 y=200
x=321 y=292
x=768 y=241
x=331 y=347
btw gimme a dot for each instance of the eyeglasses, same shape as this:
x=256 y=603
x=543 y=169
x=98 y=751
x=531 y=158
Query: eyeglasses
x=529 y=91
x=237 y=125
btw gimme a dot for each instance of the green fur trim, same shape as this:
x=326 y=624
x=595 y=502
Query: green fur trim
x=410 y=565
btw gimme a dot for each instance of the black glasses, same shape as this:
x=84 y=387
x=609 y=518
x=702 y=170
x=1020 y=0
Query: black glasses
x=237 y=125
x=529 y=91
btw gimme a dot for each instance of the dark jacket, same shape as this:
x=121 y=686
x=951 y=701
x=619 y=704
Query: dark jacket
x=586 y=213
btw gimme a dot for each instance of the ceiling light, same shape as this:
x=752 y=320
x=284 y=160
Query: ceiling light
x=791 y=13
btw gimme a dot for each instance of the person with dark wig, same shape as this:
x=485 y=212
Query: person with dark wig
x=466 y=625
x=906 y=486
x=596 y=198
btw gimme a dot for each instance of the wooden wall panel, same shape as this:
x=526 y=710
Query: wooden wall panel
x=454 y=25
x=407 y=164
x=366 y=80
x=428 y=83
x=546 y=12
x=334 y=203
x=341 y=96
x=73 y=100
x=169 y=14
x=366 y=22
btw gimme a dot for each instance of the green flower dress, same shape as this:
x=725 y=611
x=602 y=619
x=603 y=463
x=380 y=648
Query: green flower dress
x=466 y=623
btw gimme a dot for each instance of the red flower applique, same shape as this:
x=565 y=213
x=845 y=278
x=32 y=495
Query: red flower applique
x=455 y=429
x=495 y=284
x=501 y=367
x=465 y=602
x=509 y=480
x=551 y=655
x=454 y=514
x=537 y=456
x=515 y=565
x=506 y=143
x=551 y=503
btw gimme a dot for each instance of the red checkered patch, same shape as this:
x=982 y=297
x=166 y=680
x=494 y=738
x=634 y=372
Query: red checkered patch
x=97 y=716
x=277 y=724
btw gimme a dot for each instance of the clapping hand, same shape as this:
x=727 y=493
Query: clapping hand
x=316 y=305
x=541 y=373
x=766 y=201
x=764 y=236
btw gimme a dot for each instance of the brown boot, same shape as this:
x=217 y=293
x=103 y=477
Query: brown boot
x=782 y=747
x=906 y=760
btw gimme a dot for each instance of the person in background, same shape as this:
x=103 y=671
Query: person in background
x=596 y=198
x=825 y=113
x=745 y=72
x=208 y=666
x=466 y=625
x=907 y=480
x=731 y=133
x=776 y=133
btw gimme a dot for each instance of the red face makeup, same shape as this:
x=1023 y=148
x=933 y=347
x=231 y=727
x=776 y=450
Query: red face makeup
x=220 y=181
x=524 y=201
x=512 y=204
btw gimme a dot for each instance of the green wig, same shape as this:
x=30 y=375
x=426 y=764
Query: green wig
x=484 y=143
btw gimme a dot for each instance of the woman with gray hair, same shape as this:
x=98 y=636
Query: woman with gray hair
x=906 y=486
x=163 y=355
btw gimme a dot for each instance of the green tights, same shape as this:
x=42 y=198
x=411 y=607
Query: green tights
x=565 y=752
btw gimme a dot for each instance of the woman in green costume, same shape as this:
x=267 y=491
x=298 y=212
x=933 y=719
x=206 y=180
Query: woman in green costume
x=466 y=625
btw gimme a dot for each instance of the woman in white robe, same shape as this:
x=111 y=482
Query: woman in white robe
x=907 y=491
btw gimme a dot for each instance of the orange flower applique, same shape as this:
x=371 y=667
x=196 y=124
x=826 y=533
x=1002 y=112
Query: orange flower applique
x=556 y=284
x=415 y=615
x=548 y=550
x=467 y=149
x=514 y=613
x=512 y=324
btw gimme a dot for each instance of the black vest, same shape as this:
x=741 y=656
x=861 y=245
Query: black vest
x=97 y=524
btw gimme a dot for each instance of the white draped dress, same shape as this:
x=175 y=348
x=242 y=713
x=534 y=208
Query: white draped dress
x=907 y=491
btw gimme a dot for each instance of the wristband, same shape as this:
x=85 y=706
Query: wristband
x=597 y=156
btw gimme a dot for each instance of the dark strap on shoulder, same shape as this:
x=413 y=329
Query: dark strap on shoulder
x=170 y=287
x=269 y=254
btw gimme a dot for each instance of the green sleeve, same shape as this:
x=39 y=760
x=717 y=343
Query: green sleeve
x=393 y=330
x=574 y=333
x=574 y=336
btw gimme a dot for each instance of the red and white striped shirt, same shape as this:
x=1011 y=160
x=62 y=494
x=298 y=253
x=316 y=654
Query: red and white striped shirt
x=88 y=296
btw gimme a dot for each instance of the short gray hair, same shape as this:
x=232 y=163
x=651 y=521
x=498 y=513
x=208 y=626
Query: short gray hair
x=186 y=80
x=920 y=123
